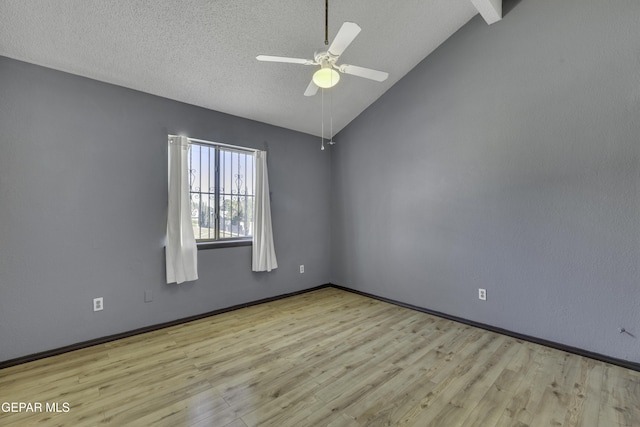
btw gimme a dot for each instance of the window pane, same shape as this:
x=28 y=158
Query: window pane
x=202 y=190
x=235 y=197
x=236 y=194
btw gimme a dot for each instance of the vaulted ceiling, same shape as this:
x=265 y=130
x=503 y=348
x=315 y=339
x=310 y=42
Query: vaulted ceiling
x=203 y=52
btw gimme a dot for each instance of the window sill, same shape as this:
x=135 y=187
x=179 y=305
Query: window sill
x=224 y=244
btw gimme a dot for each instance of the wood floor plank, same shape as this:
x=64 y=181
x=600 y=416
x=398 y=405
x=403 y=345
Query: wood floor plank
x=493 y=403
x=521 y=398
x=270 y=386
x=324 y=358
x=620 y=396
x=555 y=402
x=442 y=407
x=388 y=402
x=583 y=410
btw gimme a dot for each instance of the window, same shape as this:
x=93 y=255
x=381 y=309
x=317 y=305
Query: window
x=221 y=188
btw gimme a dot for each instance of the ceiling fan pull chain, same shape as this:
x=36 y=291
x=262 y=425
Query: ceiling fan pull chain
x=331 y=117
x=322 y=131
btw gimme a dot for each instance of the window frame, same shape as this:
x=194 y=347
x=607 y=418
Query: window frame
x=219 y=148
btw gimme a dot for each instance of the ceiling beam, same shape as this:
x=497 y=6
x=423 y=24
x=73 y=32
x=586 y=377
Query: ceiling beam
x=491 y=10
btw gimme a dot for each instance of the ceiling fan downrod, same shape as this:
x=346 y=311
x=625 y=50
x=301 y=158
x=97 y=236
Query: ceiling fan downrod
x=326 y=22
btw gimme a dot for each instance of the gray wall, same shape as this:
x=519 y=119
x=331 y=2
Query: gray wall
x=507 y=160
x=83 y=193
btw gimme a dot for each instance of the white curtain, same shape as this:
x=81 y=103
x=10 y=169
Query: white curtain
x=264 y=254
x=181 y=249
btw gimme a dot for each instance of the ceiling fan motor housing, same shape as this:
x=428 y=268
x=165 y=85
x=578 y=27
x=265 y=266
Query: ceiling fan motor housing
x=326 y=59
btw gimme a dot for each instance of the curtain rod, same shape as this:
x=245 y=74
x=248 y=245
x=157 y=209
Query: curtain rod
x=237 y=147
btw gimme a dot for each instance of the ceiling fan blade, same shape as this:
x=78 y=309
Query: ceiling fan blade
x=343 y=39
x=269 y=58
x=367 y=73
x=312 y=89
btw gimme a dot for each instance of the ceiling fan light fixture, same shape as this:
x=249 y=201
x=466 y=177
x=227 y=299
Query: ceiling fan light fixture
x=326 y=77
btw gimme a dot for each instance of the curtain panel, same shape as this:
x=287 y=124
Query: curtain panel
x=181 y=249
x=263 y=251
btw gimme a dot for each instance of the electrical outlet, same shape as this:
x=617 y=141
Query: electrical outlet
x=301 y=268
x=148 y=295
x=482 y=294
x=98 y=304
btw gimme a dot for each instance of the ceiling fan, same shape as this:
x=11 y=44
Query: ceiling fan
x=328 y=74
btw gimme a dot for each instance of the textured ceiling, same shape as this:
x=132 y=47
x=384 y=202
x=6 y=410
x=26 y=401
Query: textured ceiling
x=202 y=52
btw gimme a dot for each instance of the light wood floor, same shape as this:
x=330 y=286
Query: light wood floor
x=324 y=358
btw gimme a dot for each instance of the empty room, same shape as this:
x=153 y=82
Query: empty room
x=320 y=213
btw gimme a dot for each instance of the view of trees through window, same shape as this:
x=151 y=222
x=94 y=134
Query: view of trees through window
x=221 y=185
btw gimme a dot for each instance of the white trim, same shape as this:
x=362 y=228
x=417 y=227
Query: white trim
x=220 y=144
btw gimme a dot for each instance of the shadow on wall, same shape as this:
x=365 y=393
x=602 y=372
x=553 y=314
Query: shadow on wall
x=508 y=5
